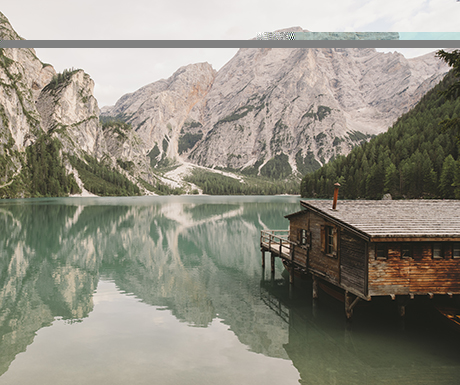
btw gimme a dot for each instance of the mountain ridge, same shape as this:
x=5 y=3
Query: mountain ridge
x=235 y=128
x=274 y=113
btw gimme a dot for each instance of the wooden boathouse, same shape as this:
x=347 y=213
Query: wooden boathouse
x=364 y=249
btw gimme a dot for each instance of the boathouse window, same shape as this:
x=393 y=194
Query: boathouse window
x=303 y=237
x=456 y=250
x=437 y=251
x=406 y=250
x=381 y=251
x=329 y=240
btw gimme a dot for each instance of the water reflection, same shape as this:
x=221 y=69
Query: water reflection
x=197 y=257
x=195 y=260
x=373 y=349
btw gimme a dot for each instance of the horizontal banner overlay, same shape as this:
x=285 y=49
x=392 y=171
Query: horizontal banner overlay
x=230 y=44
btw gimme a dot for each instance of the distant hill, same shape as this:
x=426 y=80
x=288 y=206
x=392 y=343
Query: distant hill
x=416 y=158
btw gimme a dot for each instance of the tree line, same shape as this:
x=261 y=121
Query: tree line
x=47 y=174
x=216 y=184
x=416 y=158
x=101 y=179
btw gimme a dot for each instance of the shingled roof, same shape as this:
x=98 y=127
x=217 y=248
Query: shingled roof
x=394 y=218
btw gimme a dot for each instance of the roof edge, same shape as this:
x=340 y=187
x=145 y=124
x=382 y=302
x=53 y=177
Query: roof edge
x=367 y=237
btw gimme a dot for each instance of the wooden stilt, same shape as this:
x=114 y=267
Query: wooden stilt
x=273 y=262
x=402 y=302
x=402 y=310
x=350 y=304
x=315 y=288
x=314 y=307
x=263 y=259
x=291 y=274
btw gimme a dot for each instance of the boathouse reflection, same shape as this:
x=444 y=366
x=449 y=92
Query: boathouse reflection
x=372 y=349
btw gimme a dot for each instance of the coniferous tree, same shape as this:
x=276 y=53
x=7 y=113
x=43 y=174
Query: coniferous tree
x=407 y=161
x=447 y=178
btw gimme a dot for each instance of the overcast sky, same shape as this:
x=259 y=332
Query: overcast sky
x=119 y=71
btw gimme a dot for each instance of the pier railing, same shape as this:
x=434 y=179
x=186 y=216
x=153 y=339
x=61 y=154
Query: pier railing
x=277 y=241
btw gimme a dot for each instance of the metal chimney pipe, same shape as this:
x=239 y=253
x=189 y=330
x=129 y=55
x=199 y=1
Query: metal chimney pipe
x=336 y=195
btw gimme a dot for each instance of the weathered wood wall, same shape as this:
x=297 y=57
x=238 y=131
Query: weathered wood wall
x=318 y=261
x=353 y=258
x=420 y=274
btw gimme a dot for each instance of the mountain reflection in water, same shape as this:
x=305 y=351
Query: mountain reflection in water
x=170 y=288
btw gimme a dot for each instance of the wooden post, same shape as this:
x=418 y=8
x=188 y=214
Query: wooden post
x=291 y=290
x=291 y=274
x=263 y=259
x=402 y=302
x=314 y=308
x=349 y=304
x=315 y=287
x=272 y=262
x=348 y=309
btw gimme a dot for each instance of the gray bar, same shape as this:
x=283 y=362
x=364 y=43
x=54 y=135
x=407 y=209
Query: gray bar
x=230 y=44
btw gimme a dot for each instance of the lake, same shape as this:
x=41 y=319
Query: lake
x=170 y=290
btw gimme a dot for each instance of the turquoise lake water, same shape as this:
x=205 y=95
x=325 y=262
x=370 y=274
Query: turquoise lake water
x=170 y=290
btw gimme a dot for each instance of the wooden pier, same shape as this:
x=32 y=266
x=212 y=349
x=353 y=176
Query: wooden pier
x=277 y=243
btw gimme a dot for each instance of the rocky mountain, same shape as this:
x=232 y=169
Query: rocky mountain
x=22 y=76
x=36 y=102
x=269 y=112
x=269 y=108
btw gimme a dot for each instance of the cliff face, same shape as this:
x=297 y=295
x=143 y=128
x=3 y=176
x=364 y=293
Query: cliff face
x=35 y=100
x=69 y=110
x=159 y=110
x=22 y=76
x=309 y=104
x=296 y=102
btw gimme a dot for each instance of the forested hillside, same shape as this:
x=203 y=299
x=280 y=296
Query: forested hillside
x=416 y=158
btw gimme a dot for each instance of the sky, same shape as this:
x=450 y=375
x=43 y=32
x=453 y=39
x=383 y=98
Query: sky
x=120 y=71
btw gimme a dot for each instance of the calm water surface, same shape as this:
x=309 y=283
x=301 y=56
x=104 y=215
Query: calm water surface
x=170 y=290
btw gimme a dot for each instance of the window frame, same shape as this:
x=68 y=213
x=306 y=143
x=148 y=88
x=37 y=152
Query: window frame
x=456 y=245
x=410 y=248
x=441 y=250
x=304 y=238
x=384 y=249
x=329 y=240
